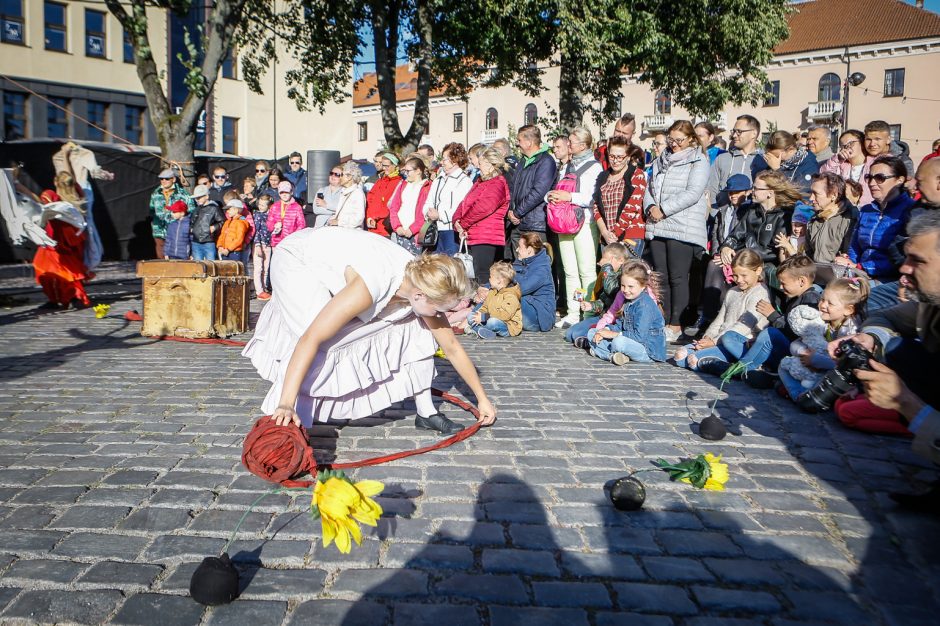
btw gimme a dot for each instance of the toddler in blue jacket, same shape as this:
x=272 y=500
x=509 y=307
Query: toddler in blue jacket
x=632 y=329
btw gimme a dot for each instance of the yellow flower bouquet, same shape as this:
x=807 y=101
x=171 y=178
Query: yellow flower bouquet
x=706 y=471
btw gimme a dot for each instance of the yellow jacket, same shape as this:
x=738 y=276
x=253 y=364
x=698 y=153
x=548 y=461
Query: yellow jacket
x=505 y=305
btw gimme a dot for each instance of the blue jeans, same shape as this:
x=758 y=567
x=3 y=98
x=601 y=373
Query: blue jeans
x=233 y=256
x=447 y=242
x=204 y=251
x=768 y=349
x=530 y=318
x=605 y=348
x=730 y=348
x=883 y=296
x=792 y=385
x=580 y=329
x=497 y=326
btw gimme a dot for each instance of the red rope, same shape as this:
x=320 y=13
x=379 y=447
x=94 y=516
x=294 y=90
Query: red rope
x=278 y=453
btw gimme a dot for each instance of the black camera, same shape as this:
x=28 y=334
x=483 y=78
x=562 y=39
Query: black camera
x=839 y=381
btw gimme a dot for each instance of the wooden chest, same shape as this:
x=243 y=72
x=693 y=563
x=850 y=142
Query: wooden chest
x=194 y=298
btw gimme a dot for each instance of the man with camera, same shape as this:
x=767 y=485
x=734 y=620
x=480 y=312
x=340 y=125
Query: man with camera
x=904 y=345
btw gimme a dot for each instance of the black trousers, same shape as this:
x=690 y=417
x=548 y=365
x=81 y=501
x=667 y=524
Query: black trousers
x=484 y=255
x=714 y=292
x=673 y=260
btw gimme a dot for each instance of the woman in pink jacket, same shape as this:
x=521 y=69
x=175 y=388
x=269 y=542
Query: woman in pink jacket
x=479 y=218
x=851 y=162
x=406 y=208
x=285 y=216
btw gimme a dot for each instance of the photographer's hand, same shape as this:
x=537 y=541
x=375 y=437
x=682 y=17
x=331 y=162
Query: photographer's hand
x=885 y=389
x=862 y=339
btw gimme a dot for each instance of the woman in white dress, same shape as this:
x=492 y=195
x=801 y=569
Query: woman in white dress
x=352 y=328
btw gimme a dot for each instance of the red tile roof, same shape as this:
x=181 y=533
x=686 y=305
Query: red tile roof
x=366 y=94
x=824 y=24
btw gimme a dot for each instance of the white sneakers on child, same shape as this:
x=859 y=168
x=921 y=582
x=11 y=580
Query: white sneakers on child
x=567 y=321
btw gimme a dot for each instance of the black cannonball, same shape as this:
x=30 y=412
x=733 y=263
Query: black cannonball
x=712 y=428
x=215 y=581
x=627 y=494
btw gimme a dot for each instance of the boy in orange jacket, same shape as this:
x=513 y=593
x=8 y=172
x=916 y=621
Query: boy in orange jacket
x=234 y=234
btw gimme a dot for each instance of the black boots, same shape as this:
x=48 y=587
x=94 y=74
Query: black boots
x=439 y=423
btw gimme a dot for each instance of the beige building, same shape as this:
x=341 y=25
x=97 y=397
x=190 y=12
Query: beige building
x=66 y=69
x=896 y=46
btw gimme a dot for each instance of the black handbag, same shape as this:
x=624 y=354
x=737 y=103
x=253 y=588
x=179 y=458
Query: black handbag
x=429 y=235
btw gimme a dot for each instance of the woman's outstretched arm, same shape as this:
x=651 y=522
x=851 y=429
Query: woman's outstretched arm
x=464 y=366
x=351 y=300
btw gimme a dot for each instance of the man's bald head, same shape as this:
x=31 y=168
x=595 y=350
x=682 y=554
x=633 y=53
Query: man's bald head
x=928 y=181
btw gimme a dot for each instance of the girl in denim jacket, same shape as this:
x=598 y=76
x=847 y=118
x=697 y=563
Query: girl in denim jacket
x=632 y=329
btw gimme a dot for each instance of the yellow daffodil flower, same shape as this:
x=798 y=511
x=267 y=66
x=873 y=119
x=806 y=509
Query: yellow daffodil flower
x=341 y=504
x=717 y=475
x=101 y=310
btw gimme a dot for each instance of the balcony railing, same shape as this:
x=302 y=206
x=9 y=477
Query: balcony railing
x=824 y=110
x=719 y=121
x=652 y=123
x=489 y=136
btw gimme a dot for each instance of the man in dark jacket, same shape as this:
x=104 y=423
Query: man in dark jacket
x=205 y=223
x=220 y=184
x=534 y=178
x=297 y=176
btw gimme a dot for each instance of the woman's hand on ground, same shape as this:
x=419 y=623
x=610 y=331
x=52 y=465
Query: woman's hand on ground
x=284 y=415
x=487 y=412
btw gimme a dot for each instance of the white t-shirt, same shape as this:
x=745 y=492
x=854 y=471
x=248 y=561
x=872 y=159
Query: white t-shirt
x=409 y=202
x=856 y=173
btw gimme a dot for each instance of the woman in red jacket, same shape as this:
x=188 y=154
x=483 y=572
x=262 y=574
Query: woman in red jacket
x=406 y=209
x=479 y=218
x=377 y=213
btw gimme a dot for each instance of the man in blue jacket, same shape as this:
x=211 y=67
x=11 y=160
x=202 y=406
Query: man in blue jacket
x=534 y=178
x=297 y=176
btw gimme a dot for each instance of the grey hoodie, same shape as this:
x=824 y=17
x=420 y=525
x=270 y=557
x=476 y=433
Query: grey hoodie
x=901 y=150
x=726 y=165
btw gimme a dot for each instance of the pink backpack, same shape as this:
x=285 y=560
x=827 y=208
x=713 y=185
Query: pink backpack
x=566 y=218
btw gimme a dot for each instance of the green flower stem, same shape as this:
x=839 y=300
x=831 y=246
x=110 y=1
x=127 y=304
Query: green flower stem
x=731 y=372
x=273 y=490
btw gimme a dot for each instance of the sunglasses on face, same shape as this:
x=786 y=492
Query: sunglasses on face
x=295 y=163
x=878 y=178
x=257 y=171
x=220 y=176
x=336 y=173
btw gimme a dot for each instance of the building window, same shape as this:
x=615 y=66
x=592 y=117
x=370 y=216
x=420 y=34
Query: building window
x=229 y=135
x=363 y=130
x=14 y=115
x=458 y=122
x=830 y=88
x=492 y=119
x=662 y=104
x=128 y=48
x=11 y=21
x=134 y=124
x=894 y=83
x=57 y=118
x=97 y=115
x=772 y=97
x=895 y=131
x=96 y=42
x=531 y=115
x=229 y=67
x=56 y=33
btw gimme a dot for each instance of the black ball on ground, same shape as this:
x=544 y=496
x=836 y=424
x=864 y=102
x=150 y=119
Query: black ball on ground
x=215 y=581
x=627 y=494
x=712 y=428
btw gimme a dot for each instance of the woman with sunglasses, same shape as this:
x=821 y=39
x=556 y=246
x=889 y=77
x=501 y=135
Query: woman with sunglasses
x=881 y=221
x=328 y=196
x=851 y=162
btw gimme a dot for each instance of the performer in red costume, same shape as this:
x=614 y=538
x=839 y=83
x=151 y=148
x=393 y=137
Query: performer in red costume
x=60 y=269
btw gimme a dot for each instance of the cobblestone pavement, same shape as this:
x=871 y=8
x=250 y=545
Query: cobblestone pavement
x=120 y=470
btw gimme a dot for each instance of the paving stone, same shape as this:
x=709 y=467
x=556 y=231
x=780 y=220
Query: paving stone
x=331 y=612
x=94 y=545
x=614 y=566
x=675 y=569
x=515 y=615
x=248 y=613
x=691 y=543
x=44 y=570
x=480 y=534
x=53 y=606
x=399 y=583
x=125 y=496
x=91 y=517
x=180 y=546
x=20 y=541
x=645 y=598
x=29 y=517
x=544 y=537
x=746 y=572
x=153 y=609
x=433 y=615
x=487 y=588
x=735 y=600
x=156 y=519
x=121 y=575
x=525 y=562
x=282 y=583
x=130 y=477
x=436 y=556
x=50 y=495
x=571 y=594
x=6 y=596
x=629 y=540
x=219 y=521
x=829 y=607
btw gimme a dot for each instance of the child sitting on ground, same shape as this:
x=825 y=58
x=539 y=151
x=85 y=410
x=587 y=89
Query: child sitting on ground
x=177 y=244
x=738 y=321
x=261 y=250
x=606 y=288
x=500 y=314
x=632 y=329
x=234 y=233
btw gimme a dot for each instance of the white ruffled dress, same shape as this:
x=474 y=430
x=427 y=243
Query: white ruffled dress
x=382 y=357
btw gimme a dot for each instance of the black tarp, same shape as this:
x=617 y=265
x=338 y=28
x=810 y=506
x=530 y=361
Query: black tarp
x=122 y=206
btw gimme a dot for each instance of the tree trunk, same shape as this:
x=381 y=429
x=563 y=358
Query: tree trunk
x=570 y=103
x=177 y=147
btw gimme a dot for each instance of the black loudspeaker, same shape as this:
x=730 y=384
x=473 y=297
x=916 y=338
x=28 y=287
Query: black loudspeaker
x=319 y=164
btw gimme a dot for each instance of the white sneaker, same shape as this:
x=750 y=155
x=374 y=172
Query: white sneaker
x=567 y=321
x=619 y=358
x=671 y=335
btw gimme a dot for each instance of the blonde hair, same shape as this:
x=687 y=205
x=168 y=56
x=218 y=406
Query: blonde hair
x=440 y=277
x=584 y=136
x=748 y=259
x=504 y=269
x=786 y=194
x=65 y=187
x=495 y=158
x=617 y=250
x=851 y=292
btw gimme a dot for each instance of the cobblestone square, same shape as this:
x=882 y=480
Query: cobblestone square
x=120 y=470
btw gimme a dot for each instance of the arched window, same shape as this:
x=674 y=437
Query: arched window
x=662 y=105
x=830 y=88
x=492 y=119
x=531 y=115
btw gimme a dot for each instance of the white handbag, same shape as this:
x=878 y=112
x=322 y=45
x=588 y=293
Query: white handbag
x=463 y=255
